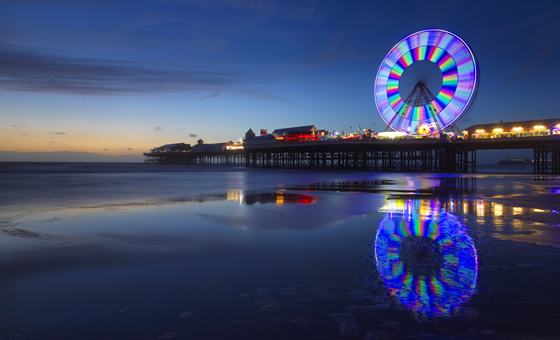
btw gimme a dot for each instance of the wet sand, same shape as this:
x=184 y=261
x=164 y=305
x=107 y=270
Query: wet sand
x=264 y=255
x=544 y=206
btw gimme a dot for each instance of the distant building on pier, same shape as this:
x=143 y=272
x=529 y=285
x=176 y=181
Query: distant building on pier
x=308 y=132
x=214 y=147
x=252 y=139
x=297 y=133
x=175 y=147
x=526 y=128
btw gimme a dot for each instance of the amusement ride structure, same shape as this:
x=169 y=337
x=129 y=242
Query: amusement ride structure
x=434 y=59
x=424 y=85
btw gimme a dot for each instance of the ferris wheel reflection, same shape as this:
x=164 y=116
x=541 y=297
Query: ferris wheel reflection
x=426 y=259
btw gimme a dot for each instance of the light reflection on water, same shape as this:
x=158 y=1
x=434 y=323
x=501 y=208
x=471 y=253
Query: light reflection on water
x=489 y=218
x=284 y=259
x=270 y=197
x=426 y=259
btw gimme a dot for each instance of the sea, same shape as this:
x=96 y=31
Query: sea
x=148 y=251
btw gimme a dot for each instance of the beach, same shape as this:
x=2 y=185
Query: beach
x=150 y=251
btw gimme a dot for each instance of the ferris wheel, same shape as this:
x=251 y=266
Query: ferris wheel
x=426 y=82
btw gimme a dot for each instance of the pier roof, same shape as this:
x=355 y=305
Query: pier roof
x=175 y=146
x=306 y=128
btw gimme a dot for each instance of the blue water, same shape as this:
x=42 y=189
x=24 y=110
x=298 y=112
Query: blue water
x=113 y=251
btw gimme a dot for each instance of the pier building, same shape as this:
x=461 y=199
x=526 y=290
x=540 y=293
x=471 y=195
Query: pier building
x=299 y=133
x=175 y=147
x=527 y=128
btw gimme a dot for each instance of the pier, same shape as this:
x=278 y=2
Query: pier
x=407 y=155
x=227 y=158
x=413 y=156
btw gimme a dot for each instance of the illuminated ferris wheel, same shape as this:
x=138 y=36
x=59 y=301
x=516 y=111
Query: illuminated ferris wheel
x=426 y=82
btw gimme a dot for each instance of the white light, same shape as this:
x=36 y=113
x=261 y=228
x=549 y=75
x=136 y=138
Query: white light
x=391 y=134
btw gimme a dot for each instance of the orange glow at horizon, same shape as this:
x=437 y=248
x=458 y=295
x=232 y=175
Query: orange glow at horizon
x=75 y=141
x=109 y=142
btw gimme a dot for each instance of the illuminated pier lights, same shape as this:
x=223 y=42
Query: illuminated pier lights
x=506 y=130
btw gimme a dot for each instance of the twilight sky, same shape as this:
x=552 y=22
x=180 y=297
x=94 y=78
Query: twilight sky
x=107 y=80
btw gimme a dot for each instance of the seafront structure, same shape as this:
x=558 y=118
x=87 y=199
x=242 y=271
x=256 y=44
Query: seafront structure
x=423 y=120
x=445 y=73
x=442 y=154
x=527 y=128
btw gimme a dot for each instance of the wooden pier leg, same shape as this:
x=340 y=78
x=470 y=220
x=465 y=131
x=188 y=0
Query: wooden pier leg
x=535 y=161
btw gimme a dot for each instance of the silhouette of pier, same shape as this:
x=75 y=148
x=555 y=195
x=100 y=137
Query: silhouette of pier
x=407 y=155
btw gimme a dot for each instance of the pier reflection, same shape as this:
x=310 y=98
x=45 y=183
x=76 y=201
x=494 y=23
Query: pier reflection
x=477 y=207
x=425 y=257
x=269 y=197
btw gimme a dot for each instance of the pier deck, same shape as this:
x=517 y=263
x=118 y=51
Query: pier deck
x=430 y=155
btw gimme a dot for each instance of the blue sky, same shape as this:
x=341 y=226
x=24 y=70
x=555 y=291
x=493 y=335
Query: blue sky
x=108 y=80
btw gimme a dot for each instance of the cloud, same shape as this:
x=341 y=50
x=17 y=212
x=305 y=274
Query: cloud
x=543 y=59
x=18 y=126
x=349 y=39
x=210 y=95
x=304 y=10
x=104 y=149
x=260 y=95
x=545 y=17
x=57 y=133
x=56 y=3
x=151 y=19
x=51 y=142
x=24 y=70
x=226 y=20
x=192 y=135
x=158 y=128
x=129 y=149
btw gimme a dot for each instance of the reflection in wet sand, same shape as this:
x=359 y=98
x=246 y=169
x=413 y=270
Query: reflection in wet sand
x=516 y=223
x=407 y=185
x=427 y=260
x=270 y=197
